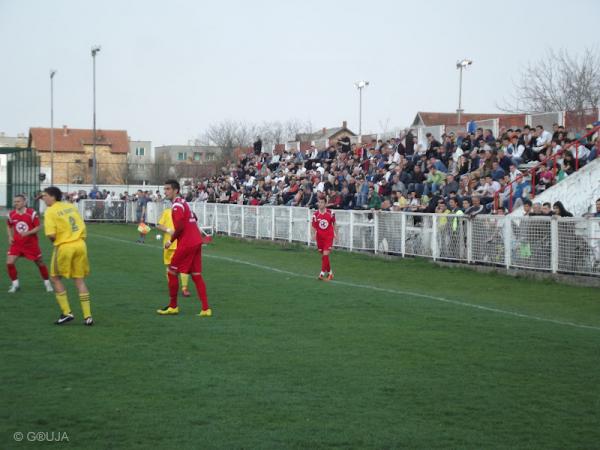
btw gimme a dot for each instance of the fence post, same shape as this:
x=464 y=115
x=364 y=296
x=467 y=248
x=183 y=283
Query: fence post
x=434 y=242
x=228 y=220
x=554 y=256
x=376 y=231
x=272 y=223
x=257 y=221
x=308 y=228
x=351 y=232
x=203 y=214
x=291 y=223
x=469 y=240
x=403 y=234
x=241 y=207
x=216 y=215
x=507 y=235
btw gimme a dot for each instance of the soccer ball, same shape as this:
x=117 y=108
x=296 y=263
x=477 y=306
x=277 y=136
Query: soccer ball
x=158 y=237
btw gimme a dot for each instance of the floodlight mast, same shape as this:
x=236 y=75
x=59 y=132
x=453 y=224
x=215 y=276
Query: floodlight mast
x=95 y=50
x=360 y=85
x=460 y=65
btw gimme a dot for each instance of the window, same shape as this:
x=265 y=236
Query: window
x=197 y=156
x=181 y=156
x=139 y=151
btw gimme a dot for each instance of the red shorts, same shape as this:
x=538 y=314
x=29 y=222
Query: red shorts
x=324 y=242
x=187 y=260
x=30 y=252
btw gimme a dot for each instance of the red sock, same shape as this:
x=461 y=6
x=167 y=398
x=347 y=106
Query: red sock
x=326 y=263
x=201 y=289
x=323 y=264
x=43 y=271
x=173 y=289
x=12 y=271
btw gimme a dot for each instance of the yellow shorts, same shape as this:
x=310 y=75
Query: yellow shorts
x=69 y=260
x=168 y=255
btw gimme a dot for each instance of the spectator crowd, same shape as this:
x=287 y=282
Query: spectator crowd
x=462 y=171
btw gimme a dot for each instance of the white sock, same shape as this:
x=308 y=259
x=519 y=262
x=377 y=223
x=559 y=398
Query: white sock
x=15 y=283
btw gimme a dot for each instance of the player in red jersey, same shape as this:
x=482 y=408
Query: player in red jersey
x=188 y=255
x=22 y=227
x=324 y=232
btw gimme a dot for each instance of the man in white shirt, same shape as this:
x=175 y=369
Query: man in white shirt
x=517 y=150
x=515 y=173
x=582 y=153
x=314 y=152
x=202 y=196
x=489 y=187
x=543 y=139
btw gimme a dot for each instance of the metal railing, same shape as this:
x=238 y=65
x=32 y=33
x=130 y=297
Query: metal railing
x=551 y=244
x=532 y=171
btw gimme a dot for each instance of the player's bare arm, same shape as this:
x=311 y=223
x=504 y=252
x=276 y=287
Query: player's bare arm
x=9 y=231
x=174 y=233
x=31 y=232
x=164 y=229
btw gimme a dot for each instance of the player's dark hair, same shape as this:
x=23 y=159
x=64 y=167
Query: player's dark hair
x=174 y=184
x=22 y=196
x=55 y=192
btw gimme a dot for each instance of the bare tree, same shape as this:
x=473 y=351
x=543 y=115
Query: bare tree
x=229 y=134
x=558 y=82
x=297 y=126
x=272 y=133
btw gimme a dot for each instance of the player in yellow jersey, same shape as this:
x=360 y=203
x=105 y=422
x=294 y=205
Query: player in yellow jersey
x=165 y=224
x=65 y=228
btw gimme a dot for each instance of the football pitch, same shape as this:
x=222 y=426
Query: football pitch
x=391 y=354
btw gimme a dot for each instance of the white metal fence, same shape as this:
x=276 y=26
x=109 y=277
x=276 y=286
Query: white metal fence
x=567 y=245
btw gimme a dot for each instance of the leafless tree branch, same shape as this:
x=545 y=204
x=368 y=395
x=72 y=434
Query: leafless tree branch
x=559 y=81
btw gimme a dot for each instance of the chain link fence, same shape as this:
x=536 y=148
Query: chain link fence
x=566 y=245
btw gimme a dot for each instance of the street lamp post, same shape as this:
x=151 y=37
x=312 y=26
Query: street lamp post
x=95 y=50
x=52 y=73
x=460 y=65
x=360 y=85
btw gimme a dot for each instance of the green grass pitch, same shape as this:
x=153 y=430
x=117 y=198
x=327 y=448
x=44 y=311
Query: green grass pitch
x=393 y=354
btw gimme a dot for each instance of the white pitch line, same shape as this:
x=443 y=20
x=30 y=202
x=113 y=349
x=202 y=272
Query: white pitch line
x=379 y=289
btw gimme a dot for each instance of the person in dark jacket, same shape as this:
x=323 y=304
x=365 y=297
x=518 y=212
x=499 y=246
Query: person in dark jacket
x=258 y=146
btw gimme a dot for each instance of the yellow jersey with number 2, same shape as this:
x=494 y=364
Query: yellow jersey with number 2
x=69 y=258
x=62 y=220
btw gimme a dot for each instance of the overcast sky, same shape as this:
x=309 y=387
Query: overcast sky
x=167 y=69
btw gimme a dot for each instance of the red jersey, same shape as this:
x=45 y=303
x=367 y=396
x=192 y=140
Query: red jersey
x=185 y=221
x=21 y=223
x=324 y=222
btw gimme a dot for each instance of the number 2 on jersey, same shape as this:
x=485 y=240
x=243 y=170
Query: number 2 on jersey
x=73 y=224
